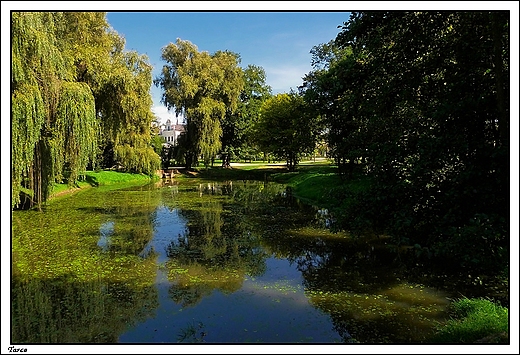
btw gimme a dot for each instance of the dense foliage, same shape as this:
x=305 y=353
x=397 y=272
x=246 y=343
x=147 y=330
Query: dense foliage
x=414 y=103
x=285 y=128
x=238 y=127
x=76 y=97
x=203 y=87
x=418 y=102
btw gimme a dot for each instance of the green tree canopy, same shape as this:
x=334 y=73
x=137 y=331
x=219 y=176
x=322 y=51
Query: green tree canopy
x=73 y=88
x=285 y=128
x=53 y=117
x=238 y=126
x=125 y=103
x=421 y=99
x=330 y=92
x=203 y=87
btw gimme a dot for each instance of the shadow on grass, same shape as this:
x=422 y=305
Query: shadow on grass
x=91 y=180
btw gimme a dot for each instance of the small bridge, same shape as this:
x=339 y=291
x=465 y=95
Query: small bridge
x=169 y=173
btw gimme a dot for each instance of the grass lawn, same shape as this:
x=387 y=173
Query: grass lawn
x=314 y=180
x=100 y=178
x=475 y=320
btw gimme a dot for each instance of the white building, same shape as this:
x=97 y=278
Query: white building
x=170 y=132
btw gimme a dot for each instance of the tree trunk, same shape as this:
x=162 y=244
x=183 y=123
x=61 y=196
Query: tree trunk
x=35 y=177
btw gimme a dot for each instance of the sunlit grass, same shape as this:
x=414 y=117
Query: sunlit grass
x=99 y=178
x=475 y=320
x=108 y=177
x=259 y=168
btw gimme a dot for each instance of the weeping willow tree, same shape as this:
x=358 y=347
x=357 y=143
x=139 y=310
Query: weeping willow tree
x=28 y=115
x=202 y=87
x=63 y=64
x=38 y=68
x=120 y=81
x=75 y=126
x=125 y=109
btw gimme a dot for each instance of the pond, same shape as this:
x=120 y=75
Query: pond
x=193 y=261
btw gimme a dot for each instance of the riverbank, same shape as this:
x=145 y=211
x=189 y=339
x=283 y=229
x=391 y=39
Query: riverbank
x=99 y=178
x=315 y=181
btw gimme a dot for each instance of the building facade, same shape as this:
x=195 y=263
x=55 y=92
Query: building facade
x=170 y=132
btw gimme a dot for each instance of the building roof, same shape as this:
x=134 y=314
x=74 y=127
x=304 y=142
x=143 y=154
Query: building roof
x=173 y=127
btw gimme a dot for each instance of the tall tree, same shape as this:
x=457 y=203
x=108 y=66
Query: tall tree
x=285 y=128
x=203 y=87
x=238 y=126
x=63 y=66
x=53 y=117
x=120 y=81
x=331 y=90
x=428 y=95
x=124 y=106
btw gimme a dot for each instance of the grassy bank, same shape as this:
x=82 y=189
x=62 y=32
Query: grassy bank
x=238 y=171
x=99 y=178
x=315 y=182
x=474 y=320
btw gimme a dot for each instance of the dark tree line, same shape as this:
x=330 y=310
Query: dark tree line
x=418 y=102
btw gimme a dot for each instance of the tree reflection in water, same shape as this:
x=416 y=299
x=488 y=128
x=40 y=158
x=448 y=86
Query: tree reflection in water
x=206 y=237
x=218 y=249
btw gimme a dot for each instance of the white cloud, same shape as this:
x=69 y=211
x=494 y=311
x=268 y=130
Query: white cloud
x=284 y=77
x=163 y=114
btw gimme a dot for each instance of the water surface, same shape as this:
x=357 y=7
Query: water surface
x=206 y=262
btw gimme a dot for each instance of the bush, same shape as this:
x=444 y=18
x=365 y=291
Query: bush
x=482 y=242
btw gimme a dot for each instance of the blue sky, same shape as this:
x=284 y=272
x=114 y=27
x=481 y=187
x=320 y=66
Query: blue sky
x=279 y=42
x=276 y=35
